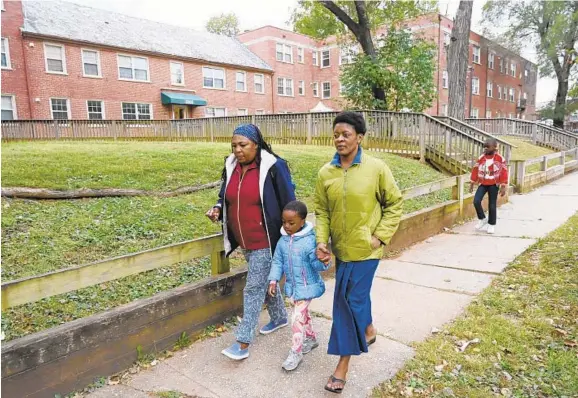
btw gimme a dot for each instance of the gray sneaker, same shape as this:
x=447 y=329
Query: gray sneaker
x=292 y=361
x=309 y=345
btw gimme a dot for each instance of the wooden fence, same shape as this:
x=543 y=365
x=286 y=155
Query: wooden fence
x=34 y=288
x=529 y=174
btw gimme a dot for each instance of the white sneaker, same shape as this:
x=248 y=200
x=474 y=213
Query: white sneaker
x=491 y=229
x=481 y=224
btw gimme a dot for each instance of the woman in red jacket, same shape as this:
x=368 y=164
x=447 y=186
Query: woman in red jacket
x=491 y=173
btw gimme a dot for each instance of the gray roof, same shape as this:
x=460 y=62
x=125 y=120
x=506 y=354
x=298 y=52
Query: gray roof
x=85 y=24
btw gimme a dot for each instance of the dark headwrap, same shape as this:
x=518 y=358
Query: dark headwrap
x=249 y=131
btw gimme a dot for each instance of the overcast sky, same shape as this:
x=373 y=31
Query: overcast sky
x=256 y=13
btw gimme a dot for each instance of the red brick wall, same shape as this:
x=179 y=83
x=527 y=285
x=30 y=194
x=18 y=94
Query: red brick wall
x=14 y=79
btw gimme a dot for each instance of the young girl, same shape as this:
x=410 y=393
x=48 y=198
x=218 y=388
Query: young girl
x=491 y=173
x=296 y=259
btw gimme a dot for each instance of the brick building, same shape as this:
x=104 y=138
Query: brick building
x=62 y=60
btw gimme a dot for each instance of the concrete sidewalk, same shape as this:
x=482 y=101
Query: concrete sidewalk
x=428 y=285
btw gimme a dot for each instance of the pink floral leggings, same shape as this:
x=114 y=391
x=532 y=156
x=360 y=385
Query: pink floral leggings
x=301 y=324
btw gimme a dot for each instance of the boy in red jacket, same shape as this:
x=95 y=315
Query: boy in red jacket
x=491 y=173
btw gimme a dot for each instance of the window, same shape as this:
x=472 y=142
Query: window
x=476 y=51
x=511 y=115
x=259 y=81
x=447 y=39
x=491 y=57
x=325 y=59
x=513 y=69
x=136 y=111
x=260 y=112
x=315 y=56
x=341 y=89
x=133 y=68
x=474 y=113
x=213 y=78
x=445 y=79
x=301 y=87
x=475 y=86
x=54 y=58
x=326 y=90
x=489 y=89
x=285 y=86
x=6 y=64
x=488 y=114
x=2 y=5
x=8 y=107
x=499 y=92
x=90 y=63
x=444 y=109
x=177 y=73
x=347 y=55
x=59 y=108
x=242 y=112
x=501 y=65
x=241 y=81
x=95 y=110
x=284 y=53
x=215 y=112
x=316 y=89
x=300 y=55
x=512 y=99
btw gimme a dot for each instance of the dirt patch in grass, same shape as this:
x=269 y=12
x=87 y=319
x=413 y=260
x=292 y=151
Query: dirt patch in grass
x=527 y=330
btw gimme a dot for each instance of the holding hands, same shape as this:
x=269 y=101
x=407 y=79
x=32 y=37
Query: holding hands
x=323 y=253
x=214 y=214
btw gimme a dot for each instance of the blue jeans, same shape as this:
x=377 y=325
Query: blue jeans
x=255 y=294
x=492 y=191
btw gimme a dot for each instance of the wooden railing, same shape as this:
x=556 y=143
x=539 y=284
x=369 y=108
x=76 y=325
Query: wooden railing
x=34 y=288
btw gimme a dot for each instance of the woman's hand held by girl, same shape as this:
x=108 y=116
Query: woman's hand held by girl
x=214 y=214
x=323 y=253
x=272 y=288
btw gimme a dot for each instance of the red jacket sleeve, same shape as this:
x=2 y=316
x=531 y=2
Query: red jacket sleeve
x=474 y=175
x=503 y=178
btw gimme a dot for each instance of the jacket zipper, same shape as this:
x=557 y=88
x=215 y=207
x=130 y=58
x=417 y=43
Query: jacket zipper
x=344 y=200
x=239 y=208
x=291 y=262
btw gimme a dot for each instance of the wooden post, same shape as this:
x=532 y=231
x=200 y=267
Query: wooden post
x=253 y=119
x=563 y=158
x=212 y=129
x=544 y=163
x=461 y=192
x=219 y=263
x=521 y=175
x=114 y=129
x=56 y=129
x=534 y=133
x=309 y=140
x=422 y=133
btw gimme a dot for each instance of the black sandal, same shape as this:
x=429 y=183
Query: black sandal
x=334 y=380
x=372 y=340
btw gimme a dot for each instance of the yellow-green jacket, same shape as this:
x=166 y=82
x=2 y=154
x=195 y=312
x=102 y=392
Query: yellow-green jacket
x=353 y=205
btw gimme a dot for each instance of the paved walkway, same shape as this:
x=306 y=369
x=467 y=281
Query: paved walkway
x=428 y=285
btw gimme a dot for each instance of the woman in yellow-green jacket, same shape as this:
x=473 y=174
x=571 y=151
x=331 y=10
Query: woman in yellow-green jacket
x=358 y=205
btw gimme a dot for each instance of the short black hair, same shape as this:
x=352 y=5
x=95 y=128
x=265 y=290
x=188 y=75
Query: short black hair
x=298 y=207
x=354 y=119
x=491 y=141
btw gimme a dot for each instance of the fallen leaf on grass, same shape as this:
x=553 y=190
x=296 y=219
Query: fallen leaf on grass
x=113 y=380
x=468 y=343
x=570 y=343
x=561 y=332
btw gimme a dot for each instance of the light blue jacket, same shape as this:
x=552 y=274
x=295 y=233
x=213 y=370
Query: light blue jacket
x=295 y=258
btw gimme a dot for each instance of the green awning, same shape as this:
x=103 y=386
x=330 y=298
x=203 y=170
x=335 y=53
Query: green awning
x=182 y=99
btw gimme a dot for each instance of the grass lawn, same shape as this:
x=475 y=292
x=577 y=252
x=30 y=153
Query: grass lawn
x=526 y=150
x=43 y=236
x=526 y=324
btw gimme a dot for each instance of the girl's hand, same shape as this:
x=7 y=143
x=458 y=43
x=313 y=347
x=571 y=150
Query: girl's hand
x=272 y=289
x=214 y=214
x=471 y=186
x=503 y=190
x=323 y=253
x=375 y=243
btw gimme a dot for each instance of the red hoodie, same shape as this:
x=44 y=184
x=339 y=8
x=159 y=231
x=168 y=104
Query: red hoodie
x=490 y=170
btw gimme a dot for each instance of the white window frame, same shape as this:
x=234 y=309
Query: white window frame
x=328 y=51
x=14 y=110
x=491 y=60
x=444 y=110
x=315 y=57
x=475 y=113
x=476 y=54
x=182 y=72
x=68 y=110
x=7 y=53
x=136 y=109
x=285 y=85
x=244 y=81
x=445 y=79
x=499 y=92
x=502 y=65
x=476 y=87
x=63 y=52
x=346 y=55
x=488 y=114
x=213 y=108
x=262 y=83
x=316 y=89
x=2 y=5
x=214 y=68
x=301 y=88
x=447 y=38
x=101 y=105
x=512 y=95
x=286 y=49
x=99 y=75
x=259 y=112
x=301 y=55
x=490 y=89
x=513 y=68
x=148 y=80
x=323 y=90
x=341 y=89
x=242 y=112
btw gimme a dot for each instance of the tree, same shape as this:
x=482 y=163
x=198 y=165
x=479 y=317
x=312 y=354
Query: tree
x=322 y=19
x=224 y=24
x=458 y=60
x=549 y=110
x=552 y=26
x=403 y=67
